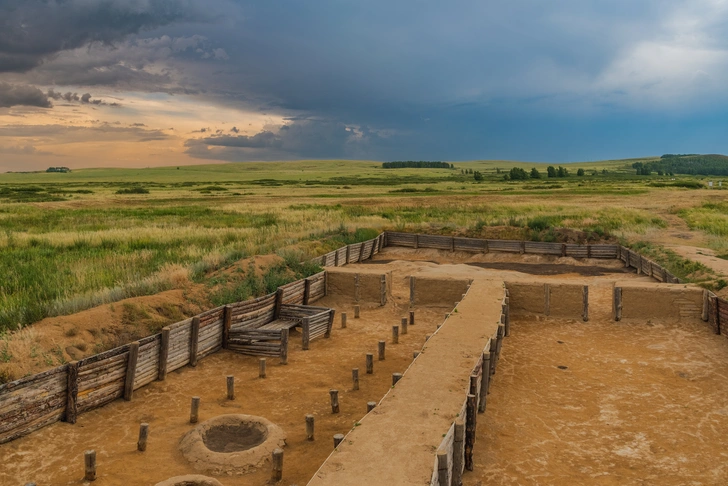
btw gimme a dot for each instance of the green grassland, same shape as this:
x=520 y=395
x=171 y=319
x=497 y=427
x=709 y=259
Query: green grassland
x=69 y=241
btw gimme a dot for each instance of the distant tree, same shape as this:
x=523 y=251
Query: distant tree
x=518 y=174
x=580 y=172
x=497 y=170
x=535 y=174
x=604 y=171
x=659 y=173
x=477 y=176
x=562 y=172
x=551 y=172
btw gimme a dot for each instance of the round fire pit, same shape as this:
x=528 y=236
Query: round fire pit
x=231 y=444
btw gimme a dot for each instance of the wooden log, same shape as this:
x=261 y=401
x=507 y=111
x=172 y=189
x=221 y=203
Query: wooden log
x=380 y=348
x=417 y=241
x=443 y=472
x=356 y=312
x=338 y=439
x=563 y=250
x=306 y=332
x=706 y=304
x=504 y=314
x=411 y=318
x=523 y=247
x=396 y=377
x=194 y=410
x=277 y=465
x=383 y=290
x=194 y=340
x=547 y=299
x=343 y=320
x=485 y=381
x=309 y=427
x=507 y=312
x=371 y=406
x=639 y=264
x=370 y=363
x=326 y=284
x=357 y=288
x=617 y=303
x=71 y=392
x=470 y=425
x=412 y=290
x=403 y=325
x=329 y=323
x=89 y=459
x=131 y=370
x=717 y=306
x=143 y=434
x=336 y=258
x=334 y=401
x=355 y=378
x=458 y=452
x=395 y=334
x=492 y=352
x=261 y=368
x=348 y=253
x=585 y=303
x=230 y=379
x=278 y=304
x=227 y=319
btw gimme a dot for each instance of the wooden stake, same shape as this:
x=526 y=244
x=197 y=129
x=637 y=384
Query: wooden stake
x=89 y=459
x=370 y=363
x=547 y=299
x=230 y=387
x=370 y=406
x=334 y=401
x=355 y=378
x=338 y=439
x=412 y=318
x=485 y=381
x=427 y=337
x=343 y=320
x=143 y=434
x=470 y=424
x=412 y=290
x=585 y=303
x=305 y=333
x=261 y=368
x=194 y=410
x=71 y=392
x=415 y=354
x=356 y=311
x=403 y=325
x=284 y=346
x=617 y=303
x=442 y=468
x=306 y=291
x=396 y=377
x=383 y=290
x=329 y=324
x=493 y=346
x=131 y=366
x=381 y=350
x=163 y=354
x=227 y=320
x=309 y=427
x=458 y=452
x=194 y=340
x=277 y=462
x=706 y=301
x=395 y=334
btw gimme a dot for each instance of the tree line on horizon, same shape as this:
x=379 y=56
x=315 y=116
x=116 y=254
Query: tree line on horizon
x=417 y=164
x=689 y=164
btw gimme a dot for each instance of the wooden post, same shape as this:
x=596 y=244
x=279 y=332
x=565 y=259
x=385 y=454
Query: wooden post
x=306 y=291
x=277 y=462
x=348 y=253
x=403 y=325
x=356 y=312
x=89 y=459
x=412 y=290
x=334 y=401
x=305 y=333
x=452 y=243
x=279 y=303
x=370 y=363
x=383 y=290
x=194 y=410
x=485 y=381
x=442 y=470
x=71 y=392
x=357 y=288
x=227 y=320
x=415 y=354
x=143 y=434
x=585 y=303
x=338 y=439
x=396 y=377
x=163 y=354
x=411 y=318
x=336 y=258
x=309 y=427
x=504 y=313
x=588 y=251
x=284 y=346
x=355 y=378
x=326 y=283
x=470 y=424
x=487 y=249
x=639 y=264
x=617 y=303
x=261 y=368
x=417 y=241
x=501 y=334
x=706 y=301
x=380 y=348
x=458 y=452
x=508 y=314
x=563 y=249
x=230 y=387
x=194 y=340
x=427 y=337
x=330 y=324
x=343 y=320
x=547 y=299
x=395 y=334
x=131 y=366
x=371 y=406
x=716 y=305
x=493 y=346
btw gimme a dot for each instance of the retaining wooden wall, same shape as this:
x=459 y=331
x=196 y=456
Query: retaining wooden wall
x=669 y=302
x=556 y=300
x=437 y=291
x=362 y=287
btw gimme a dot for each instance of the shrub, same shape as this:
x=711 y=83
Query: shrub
x=133 y=190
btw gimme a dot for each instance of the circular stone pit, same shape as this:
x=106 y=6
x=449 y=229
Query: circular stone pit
x=231 y=444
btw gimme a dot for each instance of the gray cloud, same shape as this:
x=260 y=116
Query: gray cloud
x=13 y=95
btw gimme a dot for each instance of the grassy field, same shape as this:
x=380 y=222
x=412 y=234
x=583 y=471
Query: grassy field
x=69 y=241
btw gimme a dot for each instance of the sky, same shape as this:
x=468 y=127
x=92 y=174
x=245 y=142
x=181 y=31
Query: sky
x=138 y=83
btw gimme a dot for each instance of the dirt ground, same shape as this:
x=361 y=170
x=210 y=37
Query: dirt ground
x=605 y=403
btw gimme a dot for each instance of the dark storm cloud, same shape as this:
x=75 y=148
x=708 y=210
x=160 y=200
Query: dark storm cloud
x=13 y=95
x=33 y=30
